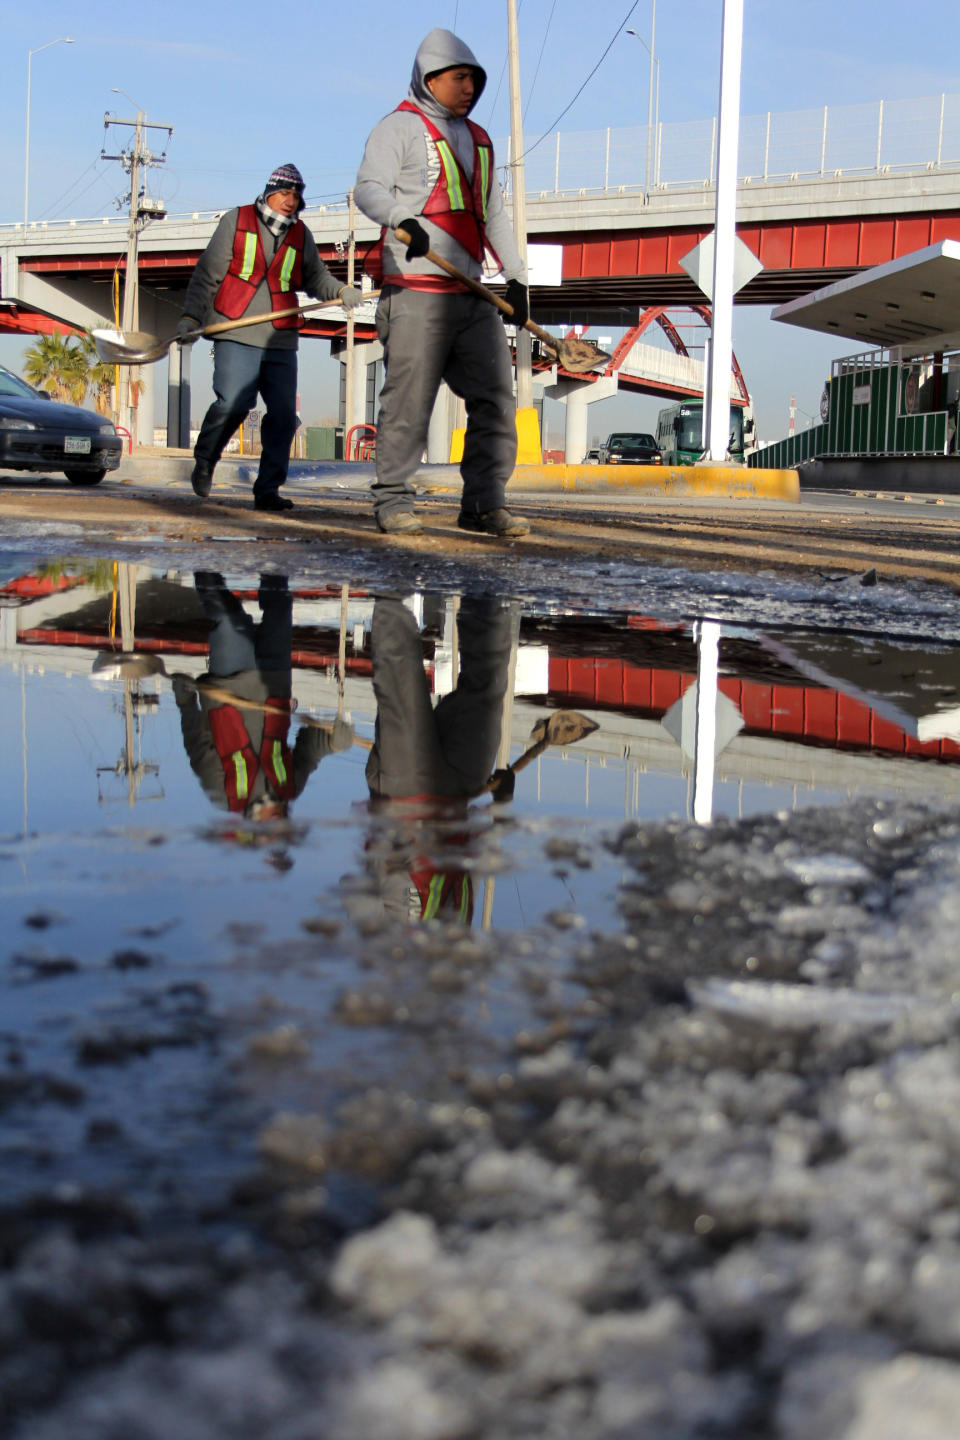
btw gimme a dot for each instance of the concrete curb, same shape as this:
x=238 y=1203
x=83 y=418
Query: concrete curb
x=733 y=482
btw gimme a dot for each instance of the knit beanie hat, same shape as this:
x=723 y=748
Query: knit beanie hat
x=285 y=177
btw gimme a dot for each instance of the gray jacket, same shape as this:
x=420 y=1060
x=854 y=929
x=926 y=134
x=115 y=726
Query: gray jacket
x=401 y=166
x=213 y=265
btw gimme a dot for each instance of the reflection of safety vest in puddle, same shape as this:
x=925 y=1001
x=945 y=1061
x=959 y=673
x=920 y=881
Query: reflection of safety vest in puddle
x=447 y=893
x=458 y=205
x=249 y=268
x=241 y=765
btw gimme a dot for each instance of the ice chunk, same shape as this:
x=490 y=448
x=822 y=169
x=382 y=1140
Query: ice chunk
x=798 y=1007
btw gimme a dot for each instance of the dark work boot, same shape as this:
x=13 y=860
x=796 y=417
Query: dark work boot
x=201 y=478
x=494 y=522
x=272 y=500
x=399 y=522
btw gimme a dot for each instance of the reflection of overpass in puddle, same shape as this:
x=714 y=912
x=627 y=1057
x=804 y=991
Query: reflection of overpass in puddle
x=821 y=712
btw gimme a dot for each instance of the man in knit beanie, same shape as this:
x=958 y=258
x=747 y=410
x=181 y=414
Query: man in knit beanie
x=259 y=257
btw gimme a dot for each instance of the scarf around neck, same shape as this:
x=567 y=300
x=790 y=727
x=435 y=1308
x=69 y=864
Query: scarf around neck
x=276 y=223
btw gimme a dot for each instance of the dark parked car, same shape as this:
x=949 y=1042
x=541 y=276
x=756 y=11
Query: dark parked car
x=37 y=433
x=631 y=448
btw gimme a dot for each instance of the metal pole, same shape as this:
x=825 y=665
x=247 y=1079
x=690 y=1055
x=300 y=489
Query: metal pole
x=348 y=408
x=658 y=129
x=61 y=40
x=823 y=143
x=721 y=352
x=519 y=196
x=707 y=636
x=879 y=134
x=653 y=42
x=131 y=298
x=26 y=153
x=943 y=99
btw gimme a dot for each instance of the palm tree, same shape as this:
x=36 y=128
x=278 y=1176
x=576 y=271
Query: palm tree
x=58 y=365
x=100 y=377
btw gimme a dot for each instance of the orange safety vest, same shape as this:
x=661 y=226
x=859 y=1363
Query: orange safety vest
x=447 y=893
x=456 y=204
x=240 y=763
x=248 y=269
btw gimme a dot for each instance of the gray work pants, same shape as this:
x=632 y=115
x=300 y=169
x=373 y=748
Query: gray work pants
x=427 y=338
x=449 y=750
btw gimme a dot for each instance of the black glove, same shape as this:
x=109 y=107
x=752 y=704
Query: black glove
x=517 y=297
x=419 y=239
x=187 y=323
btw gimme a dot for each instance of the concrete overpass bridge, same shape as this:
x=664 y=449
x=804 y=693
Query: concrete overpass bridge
x=822 y=194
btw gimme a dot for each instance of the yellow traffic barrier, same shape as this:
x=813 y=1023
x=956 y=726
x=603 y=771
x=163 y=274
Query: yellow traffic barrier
x=732 y=482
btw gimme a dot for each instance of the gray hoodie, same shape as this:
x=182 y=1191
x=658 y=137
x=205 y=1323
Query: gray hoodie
x=401 y=166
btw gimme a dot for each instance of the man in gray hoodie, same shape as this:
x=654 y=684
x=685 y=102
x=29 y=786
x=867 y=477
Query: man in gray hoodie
x=429 y=171
x=260 y=255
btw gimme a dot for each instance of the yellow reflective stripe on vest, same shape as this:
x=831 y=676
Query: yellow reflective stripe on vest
x=249 y=255
x=435 y=897
x=484 y=157
x=451 y=175
x=240 y=770
x=286 y=269
x=279 y=769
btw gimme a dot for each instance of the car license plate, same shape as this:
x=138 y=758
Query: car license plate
x=76 y=445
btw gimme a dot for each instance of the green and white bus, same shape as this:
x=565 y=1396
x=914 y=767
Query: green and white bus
x=680 y=433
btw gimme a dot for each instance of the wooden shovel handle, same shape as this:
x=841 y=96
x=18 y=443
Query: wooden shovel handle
x=222 y=325
x=481 y=290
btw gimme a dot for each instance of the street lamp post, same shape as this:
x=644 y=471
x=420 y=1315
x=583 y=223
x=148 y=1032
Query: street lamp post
x=61 y=40
x=651 y=51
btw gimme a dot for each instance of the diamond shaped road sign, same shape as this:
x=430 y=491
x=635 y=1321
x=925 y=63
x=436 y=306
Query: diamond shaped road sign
x=680 y=722
x=698 y=263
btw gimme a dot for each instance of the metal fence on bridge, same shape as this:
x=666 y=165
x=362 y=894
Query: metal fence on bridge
x=832 y=142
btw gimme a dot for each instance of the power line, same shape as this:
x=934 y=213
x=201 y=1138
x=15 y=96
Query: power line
x=63 y=198
x=550 y=128
x=543 y=46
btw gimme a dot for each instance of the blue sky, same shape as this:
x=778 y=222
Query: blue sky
x=242 y=97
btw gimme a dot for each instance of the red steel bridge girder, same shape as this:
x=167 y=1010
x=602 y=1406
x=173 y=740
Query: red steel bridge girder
x=794 y=254
x=658 y=314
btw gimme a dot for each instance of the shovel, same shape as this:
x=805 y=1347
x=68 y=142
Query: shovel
x=576 y=355
x=136 y=347
x=563 y=727
x=227 y=697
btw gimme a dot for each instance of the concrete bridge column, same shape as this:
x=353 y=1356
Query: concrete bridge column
x=365 y=357
x=144 y=412
x=178 y=398
x=447 y=415
x=577 y=395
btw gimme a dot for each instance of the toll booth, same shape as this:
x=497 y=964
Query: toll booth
x=874 y=404
x=891 y=409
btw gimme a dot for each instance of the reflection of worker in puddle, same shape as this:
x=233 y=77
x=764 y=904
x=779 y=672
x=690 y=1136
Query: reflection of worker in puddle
x=429 y=760
x=236 y=719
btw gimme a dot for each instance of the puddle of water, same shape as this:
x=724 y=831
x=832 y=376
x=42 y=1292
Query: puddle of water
x=229 y=801
x=184 y=755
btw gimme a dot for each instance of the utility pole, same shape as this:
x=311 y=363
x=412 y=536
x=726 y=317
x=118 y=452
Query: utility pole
x=350 y=367
x=142 y=211
x=518 y=195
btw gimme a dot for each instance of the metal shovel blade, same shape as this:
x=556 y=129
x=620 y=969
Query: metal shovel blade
x=129 y=347
x=578 y=355
x=563 y=727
